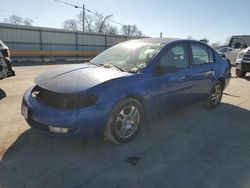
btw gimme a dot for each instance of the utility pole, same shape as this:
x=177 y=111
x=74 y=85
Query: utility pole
x=83 y=10
x=83 y=16
x=83 y=13
x=128 y=30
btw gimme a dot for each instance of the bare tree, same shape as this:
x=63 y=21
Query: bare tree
x=70 y=24
x=131 y=30
x=110 y=29
x=88 y=22
x=215 y=45
x=18 y=20
x=102 y=23
x=14 y=19
x=96 y=23
x=227 y=40
x=27 y=21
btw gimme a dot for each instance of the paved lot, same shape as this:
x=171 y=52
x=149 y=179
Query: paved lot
x=190 y=147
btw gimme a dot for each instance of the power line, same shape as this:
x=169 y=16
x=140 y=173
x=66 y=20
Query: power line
x=68 y=4
x=90 y=11
x=83 y=10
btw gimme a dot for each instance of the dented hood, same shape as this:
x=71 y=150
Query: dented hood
x=76 y=78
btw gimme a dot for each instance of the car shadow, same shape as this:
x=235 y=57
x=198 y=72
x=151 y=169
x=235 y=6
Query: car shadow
x=2 y=94
x=188 y=147
x=231 y=95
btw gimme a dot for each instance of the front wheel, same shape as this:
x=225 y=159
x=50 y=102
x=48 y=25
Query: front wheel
x=240 y=73
x=124 y=121
x=215 y=95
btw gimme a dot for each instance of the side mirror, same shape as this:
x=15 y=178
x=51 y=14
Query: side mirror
x=237 y=45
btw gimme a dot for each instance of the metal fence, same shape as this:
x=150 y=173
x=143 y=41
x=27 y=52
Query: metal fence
x=29 y=39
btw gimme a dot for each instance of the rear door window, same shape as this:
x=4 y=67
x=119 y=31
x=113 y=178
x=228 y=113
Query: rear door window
x=211 y=55
x=200 y=54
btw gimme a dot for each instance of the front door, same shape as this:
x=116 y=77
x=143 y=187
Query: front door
x=172 y=77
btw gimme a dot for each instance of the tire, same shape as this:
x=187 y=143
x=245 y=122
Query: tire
x=10 y=71
x=240 y=73
x=124 y=121
x=215 y=95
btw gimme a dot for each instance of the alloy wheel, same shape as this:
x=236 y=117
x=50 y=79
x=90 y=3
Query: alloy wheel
x=216 y=94
x=127 y=121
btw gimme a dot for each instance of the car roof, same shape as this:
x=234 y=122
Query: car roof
x=158 y=40
x=163 y=40
x=246 y=38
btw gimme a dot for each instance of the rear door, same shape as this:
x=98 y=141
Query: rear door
x=203 y=70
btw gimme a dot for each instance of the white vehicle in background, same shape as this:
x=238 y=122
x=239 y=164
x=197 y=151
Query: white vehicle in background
x=243 y=62
x=5 y=63
x=236 y=44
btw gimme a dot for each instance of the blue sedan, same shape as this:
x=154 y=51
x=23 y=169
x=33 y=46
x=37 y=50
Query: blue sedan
x=113 y=93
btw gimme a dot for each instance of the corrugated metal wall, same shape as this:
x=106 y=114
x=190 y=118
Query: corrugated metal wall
x=37 y=38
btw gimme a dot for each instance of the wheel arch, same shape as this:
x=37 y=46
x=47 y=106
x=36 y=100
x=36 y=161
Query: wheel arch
x=108 y=128
x=223 y=81
x=137 y=97
x=134 y=96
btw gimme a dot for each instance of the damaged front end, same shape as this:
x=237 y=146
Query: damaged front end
x=6 y=69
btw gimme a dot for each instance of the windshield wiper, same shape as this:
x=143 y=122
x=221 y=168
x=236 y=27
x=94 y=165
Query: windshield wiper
x=138 y=68
x=89 y=62
x=109 y=65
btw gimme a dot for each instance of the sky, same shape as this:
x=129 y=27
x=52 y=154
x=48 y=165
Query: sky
x=214 y=19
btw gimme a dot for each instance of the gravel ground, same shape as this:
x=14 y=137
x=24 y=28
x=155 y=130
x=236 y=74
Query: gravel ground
x=188 y=147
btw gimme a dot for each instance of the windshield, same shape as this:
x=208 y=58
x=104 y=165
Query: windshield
x=128 y=55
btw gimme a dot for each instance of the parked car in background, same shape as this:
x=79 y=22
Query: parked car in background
x=236 y=44
x=5 y=63
x=114 y=92
x=243 y=62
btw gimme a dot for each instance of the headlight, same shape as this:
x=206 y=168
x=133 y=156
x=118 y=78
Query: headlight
x=63 y=101
x=58 y=130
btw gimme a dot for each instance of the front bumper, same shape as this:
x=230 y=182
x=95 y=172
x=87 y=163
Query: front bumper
x=244 y=66
x=11 y=71
x=6 y=69
x=80 y=122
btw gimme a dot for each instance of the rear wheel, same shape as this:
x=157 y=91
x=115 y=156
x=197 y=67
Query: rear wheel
x=215 y=95
x=124 y=121
x=240 y=73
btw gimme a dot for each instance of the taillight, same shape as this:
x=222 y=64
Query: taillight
x=6 y=52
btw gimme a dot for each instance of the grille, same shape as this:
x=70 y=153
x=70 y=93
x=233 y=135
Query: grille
x=246 y=57
x=63 y=101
